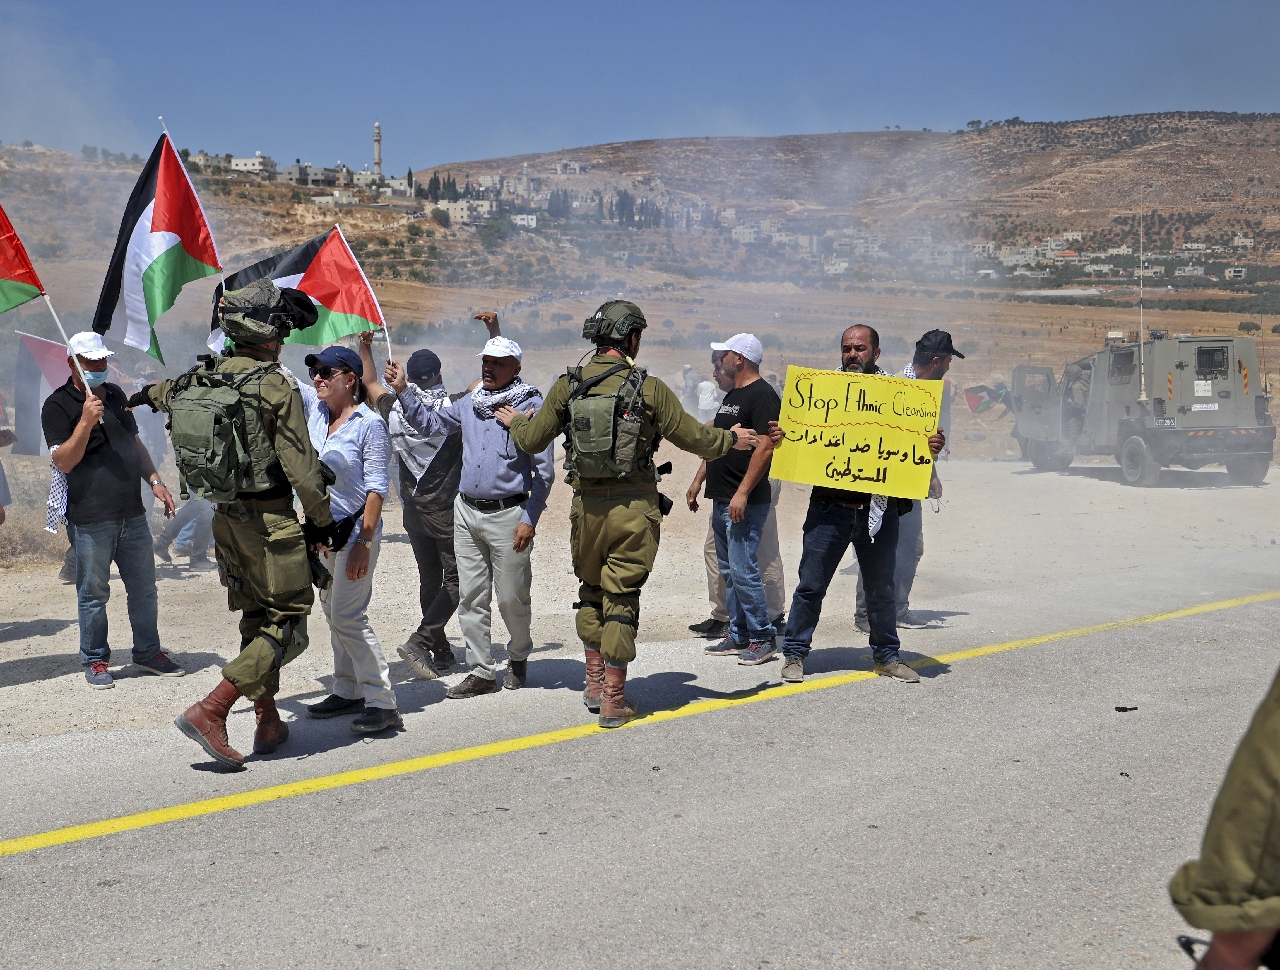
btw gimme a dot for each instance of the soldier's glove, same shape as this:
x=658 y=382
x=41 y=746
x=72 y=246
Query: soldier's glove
x=318 y=535
x=321 y=578
x=141 y=398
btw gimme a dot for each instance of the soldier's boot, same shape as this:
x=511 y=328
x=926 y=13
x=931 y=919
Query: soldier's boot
x=615 y=709
x=271 y=732
x=595 y=680
x=205 y=723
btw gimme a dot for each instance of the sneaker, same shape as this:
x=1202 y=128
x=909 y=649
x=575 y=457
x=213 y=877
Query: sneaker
x=780 y=624
x=473 y=686
x=862 y=623
x=793 y=670
x=181 y=550
x=517 y=672
x=201 y=564
x=758 y=653
x=374 y=720
x=160 y=664
x=725 y=648
x=711 y=628
x=899 y=671
x=443 y=658
x=161 y=549
x=333 y=705
x=96 y=676
x=67 y=575
x=909 y=621
x=419 y=660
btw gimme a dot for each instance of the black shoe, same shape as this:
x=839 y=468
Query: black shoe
x=473 y=686
x=67 y=575
x=711 y=628
x=443 y=659
x=517 y=671
x=780 y=625
x=333 y=705
x=161 y=549
x=376 y=719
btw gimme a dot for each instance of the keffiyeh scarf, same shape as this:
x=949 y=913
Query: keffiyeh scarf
x=413 y=448
x=513 y=395
x=55 y=509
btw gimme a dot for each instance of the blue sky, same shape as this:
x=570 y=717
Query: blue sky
x=455 y=82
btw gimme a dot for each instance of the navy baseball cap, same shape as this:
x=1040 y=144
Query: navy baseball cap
x=937 y=343
x=422 y=363
x=336 y=357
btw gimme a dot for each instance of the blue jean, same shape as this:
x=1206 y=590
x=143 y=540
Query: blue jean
x=910 y=552
x=192 y=526
x=828 y=532
x=127 y=543
x=737 y=552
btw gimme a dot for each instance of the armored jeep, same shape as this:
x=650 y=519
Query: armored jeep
x=1205 y=404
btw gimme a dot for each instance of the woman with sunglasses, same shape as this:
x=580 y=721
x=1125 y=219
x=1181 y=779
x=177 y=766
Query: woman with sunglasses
x=353 y=441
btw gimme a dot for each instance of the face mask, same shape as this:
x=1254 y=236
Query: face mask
x=96 y=378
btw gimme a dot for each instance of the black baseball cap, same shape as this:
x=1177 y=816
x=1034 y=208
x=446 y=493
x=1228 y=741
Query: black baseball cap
x=937 y=343
x=337 y=357
x=422 y=363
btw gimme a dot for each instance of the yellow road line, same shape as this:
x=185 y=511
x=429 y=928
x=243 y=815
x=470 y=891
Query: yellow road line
x=159 y=816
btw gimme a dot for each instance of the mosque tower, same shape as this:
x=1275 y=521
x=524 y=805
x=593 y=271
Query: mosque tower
x=377 y=149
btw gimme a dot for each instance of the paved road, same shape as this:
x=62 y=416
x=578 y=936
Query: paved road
x=1000 y=814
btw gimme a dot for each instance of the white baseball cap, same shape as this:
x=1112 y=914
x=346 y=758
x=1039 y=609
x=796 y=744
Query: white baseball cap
x=501 y=347
x=89 y=345
x=745 y=344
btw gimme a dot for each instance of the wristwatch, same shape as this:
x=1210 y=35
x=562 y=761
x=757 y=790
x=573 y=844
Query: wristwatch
x=155 y=483
x=367 y=543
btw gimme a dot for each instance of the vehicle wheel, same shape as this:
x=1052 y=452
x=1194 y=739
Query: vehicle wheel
x=1250 y=470
x=1038 y=452
x=1060 y=462
x=1137 y=464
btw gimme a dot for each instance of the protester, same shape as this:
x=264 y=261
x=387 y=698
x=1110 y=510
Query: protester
x=430 y=469
x=94 y=443
x=931 y=361
x=190 y=530
x=708 y=401
x=350 y=439
x=502 y=494
x=738 y=486
x=835 y=520
x=613 y=415
x=689 y=381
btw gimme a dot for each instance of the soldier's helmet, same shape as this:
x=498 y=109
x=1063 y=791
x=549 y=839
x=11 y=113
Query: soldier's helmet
x=613 y=322
x=262 y=312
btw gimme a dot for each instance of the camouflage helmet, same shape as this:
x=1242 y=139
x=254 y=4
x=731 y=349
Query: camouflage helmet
x=613 y=322
x=262 y=312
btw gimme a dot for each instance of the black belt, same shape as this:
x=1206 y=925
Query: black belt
x=494 y=504
x=848 y=505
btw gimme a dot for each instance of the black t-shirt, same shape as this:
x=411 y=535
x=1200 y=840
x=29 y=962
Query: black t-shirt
x=753 y=406
x=106 y=484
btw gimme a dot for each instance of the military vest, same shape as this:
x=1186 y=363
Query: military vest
x=220 y=444
x=603 y=438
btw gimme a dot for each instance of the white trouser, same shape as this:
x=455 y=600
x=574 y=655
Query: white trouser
x=487 y=564
x=359 y=665
x=770 y=562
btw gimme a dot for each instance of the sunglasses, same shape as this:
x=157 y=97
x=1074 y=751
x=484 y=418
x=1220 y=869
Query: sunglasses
x=326 y=373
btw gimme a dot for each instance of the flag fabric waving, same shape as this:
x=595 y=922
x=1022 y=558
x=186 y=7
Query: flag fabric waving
x=164 y=244
x=982 y=398
x=326 y=270
x=42 y=367
x=18 y=281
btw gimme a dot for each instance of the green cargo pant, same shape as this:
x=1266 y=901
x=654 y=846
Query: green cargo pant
x=613 y=537
x=1235 y=884
x=263 y=563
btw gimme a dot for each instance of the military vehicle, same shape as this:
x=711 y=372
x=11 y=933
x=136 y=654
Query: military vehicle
x=1206 y=404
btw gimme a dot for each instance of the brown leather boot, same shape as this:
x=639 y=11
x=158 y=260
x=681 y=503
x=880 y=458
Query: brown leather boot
x=615 y=709
x=205 y=723
x=272 y=732
x=595 y=680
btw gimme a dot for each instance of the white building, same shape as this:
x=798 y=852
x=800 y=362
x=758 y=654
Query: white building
x=1242 y=242
x=263 y=166
x=1189 y=271
x=1235 y=272
x=835 y=267
x=526 y=221
x=1194 y=247
x=744 y=234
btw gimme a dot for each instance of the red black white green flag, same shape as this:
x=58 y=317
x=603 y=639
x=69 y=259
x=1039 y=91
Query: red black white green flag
x=326 y=270
x=18 y=281
x=982 y=398
x=164 y=244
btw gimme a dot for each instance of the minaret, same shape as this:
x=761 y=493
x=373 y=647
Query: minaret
x=377 y=149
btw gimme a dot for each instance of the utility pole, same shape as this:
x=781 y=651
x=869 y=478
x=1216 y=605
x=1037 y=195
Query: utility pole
x=1142 y=327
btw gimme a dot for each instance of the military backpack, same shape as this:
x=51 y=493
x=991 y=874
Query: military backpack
x=219 y=445
x=603 y=434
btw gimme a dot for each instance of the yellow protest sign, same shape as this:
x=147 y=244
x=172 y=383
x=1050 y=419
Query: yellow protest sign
x=861 y=432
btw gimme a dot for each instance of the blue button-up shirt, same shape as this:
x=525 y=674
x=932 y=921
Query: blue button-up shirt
x=492 y=466
x=357 y=452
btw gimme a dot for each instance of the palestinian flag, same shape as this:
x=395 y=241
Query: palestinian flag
x=326 y=270
x=164 y=244
x=18 y=281
x=982 y=398
x=42 y=367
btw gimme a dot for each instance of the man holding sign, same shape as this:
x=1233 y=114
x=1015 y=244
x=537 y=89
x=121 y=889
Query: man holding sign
x=866 y=441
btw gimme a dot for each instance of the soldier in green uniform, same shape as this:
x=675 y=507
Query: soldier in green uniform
x=614 y=415
x=261 y=548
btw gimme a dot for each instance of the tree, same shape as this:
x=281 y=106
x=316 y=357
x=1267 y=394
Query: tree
x=669 y=324
x=1248 y=326
x=974 y=125
x=440 y=216
x=1276 y=328
x=413 y=229
x=89 y=152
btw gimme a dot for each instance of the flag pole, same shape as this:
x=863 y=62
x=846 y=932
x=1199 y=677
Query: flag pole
x=67 y=340
x=386 y=332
